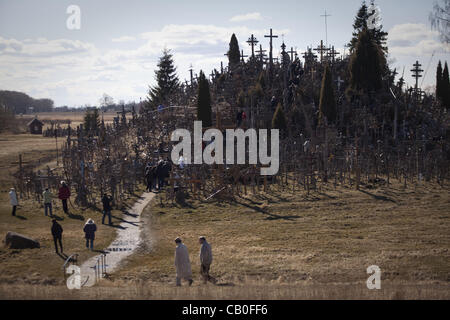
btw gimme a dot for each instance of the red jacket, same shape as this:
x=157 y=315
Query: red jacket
x=64 y=193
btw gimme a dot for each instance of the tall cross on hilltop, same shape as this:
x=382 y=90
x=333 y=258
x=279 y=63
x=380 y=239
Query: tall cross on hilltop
x=271 y=36
x=326 y=25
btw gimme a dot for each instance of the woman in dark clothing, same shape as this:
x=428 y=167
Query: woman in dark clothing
x=57 y=231
x=64 y=194
x=89 y=231
x=106 y=208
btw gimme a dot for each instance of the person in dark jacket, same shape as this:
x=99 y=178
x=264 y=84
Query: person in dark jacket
x=57 y=231
x=89 y=231
x=160 y=174
x=64 y=194
x=150 y=177
x=106 y=200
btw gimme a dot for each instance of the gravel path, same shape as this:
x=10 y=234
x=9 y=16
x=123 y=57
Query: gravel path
x=127 y=240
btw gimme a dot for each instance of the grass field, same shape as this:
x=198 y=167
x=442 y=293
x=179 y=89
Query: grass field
x=275 y=245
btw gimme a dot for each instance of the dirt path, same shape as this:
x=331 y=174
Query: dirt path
x=127 y=240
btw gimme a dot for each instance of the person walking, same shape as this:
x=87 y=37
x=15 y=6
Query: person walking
x=182 y=263
x=63 y=195
x=47 y=196
x=89 y=230
x=106 y=200
x=57 y=231
x=206 y=259
x=13 y=200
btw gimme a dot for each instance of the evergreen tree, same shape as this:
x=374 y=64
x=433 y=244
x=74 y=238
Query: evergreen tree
x=366 y=65
x=360 y=24
x=279 y=121
x=204 y=112
x=446 y=87
x=92 y=121
x=167 y=83
x=327 y=104
x=439 y=78
x=234 y=55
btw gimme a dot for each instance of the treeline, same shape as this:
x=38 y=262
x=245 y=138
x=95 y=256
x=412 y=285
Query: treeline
x=19 y=102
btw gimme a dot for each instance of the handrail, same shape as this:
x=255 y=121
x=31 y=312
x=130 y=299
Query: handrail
x=70 y=259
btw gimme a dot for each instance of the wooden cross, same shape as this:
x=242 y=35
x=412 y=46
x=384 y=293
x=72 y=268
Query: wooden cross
x=252 y=41
x=212 y=75
x=321 y=49
x=332 y=53
x=261 y=54
x=417 y=73
x=243 y=56
x=124 y=114
x=292 y=52
x=309 y=55
x=271 y=36
x=221 y=67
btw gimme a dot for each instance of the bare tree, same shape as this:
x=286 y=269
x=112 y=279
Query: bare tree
x=440 y=19
x=106 y=101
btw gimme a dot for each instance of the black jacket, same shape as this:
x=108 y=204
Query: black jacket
x=57 y=230
x=106 y=203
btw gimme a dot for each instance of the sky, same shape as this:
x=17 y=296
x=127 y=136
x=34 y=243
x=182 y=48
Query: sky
x=117 y=47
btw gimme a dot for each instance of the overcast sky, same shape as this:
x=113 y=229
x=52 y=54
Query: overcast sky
x=119 y=42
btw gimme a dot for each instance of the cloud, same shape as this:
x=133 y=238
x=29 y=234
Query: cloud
x=255 y=16
x=124 y=39
x=414 y=39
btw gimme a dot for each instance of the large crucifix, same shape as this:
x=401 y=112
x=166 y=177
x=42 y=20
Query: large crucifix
x=252 y=41
x=271 y=36
x=321 y=49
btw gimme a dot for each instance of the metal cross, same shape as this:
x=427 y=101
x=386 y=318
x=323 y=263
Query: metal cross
x=326 y=25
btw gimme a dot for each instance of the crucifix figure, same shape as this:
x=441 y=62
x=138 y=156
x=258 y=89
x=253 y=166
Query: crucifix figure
x=271 y=36
x=321 y=49
x=326 y=25
x=252 y=41
x=261 y=54
x=243 y=56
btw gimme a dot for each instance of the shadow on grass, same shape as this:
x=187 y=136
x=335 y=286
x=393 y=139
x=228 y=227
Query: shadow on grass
x=75 y=216
x=21 y=217
x=123 y=220
x=377 y=197
x=270 y=216
x=57 y=218
x=116 y=226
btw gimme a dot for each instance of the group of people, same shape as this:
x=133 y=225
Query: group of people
x=56 y=229
x=183 y=264
x=155 y=175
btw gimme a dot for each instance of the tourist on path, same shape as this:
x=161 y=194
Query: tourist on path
x=182 y=263
x=57 y=231
x=64 y=194
x=89 y=230
x=206 y=258
x=47 y=196
x=106 y=200
x=13 y=200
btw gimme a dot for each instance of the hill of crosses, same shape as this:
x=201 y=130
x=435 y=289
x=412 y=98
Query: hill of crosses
x=343 y=118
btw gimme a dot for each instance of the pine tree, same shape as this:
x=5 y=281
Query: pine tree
x=439 y=78
x=234 y=55
x=167 y=83
x=366 y=65
x=204 y=112
x=327 y=104
x=446 y=87
x=360 y=25
x=279 y=120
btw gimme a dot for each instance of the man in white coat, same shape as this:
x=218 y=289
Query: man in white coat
x=13 y=200
x=206 y=258
x=182 y=263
